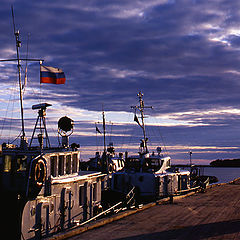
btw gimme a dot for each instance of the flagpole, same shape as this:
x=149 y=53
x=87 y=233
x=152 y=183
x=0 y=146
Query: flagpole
x=96 y=137
x=40 y=63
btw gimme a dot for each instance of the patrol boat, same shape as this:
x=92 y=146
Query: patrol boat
x=42 y=189
x=149 y=175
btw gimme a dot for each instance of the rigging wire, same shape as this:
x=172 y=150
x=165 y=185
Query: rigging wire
x=110 y=133
x=10 y=101
x=33 y=90
x=133 y=131
x=10 y=108
x=16 y=137
x=161 y=136
x=15 y=90
x=26 y=66
x=124 y=133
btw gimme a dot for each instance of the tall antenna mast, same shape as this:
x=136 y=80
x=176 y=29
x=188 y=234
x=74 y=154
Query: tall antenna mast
x=18 y=45
x=141 y=108
x=104 y=130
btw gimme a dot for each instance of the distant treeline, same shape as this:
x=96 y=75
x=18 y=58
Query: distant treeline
x=225 y=163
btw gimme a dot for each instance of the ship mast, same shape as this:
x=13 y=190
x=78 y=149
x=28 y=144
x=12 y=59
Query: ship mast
x=23 y=143
x=18 y=45
x=104 y=131
x=141 y=108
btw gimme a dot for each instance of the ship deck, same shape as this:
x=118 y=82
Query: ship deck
x=214 y=214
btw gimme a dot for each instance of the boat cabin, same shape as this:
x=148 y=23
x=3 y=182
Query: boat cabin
x=151 y=176
x=108 y=162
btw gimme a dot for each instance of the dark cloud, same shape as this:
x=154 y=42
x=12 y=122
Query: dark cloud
x=184 y=55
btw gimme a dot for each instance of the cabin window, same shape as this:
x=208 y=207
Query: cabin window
x=61 y=165
x=95 y=192
x=68 y=164
x=81 y=195
x=7 y=163
x=53 y=162
x=21 y=163
x=168 y=163
x=74 y=163
x=121 y=163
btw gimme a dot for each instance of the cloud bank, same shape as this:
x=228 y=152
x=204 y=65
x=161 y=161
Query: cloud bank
x=184 y=55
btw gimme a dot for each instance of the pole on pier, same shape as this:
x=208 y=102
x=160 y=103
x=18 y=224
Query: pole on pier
x=190 y=155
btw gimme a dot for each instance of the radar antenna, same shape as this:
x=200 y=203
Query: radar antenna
x=41 y=125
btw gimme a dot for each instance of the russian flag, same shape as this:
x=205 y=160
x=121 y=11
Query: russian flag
x=51 y=75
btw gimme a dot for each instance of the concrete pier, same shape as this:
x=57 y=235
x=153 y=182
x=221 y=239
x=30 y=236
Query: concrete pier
x=214 y=214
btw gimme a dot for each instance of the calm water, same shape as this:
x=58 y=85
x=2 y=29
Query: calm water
x=223 y=174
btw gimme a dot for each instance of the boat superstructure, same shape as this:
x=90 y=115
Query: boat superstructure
x=107 y=162
x=45 y=188
x=42 y=188
x=150 y=174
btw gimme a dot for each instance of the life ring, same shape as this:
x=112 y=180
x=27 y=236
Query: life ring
x=39 y=173
x=110 y=168
x=114 y=167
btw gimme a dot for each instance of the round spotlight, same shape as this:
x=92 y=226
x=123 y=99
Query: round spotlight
x=65 y=124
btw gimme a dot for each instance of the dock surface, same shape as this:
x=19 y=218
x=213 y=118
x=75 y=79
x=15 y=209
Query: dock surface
x=214 y=214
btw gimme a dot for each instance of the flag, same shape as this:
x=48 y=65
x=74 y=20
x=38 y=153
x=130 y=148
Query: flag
x=52 y=75
x=97 y=130
x=136 y=120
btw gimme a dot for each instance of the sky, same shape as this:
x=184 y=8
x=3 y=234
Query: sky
x=183 y=55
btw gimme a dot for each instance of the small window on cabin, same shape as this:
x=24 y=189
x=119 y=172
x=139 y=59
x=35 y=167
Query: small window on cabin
x=68 y=164
x=21 y=163
x=95 y=192
x=7 y=163
x=81 y=195
x=53 y=162
x=160 y=162
x=61 y=165
x=74 y=163
x=168 y=163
